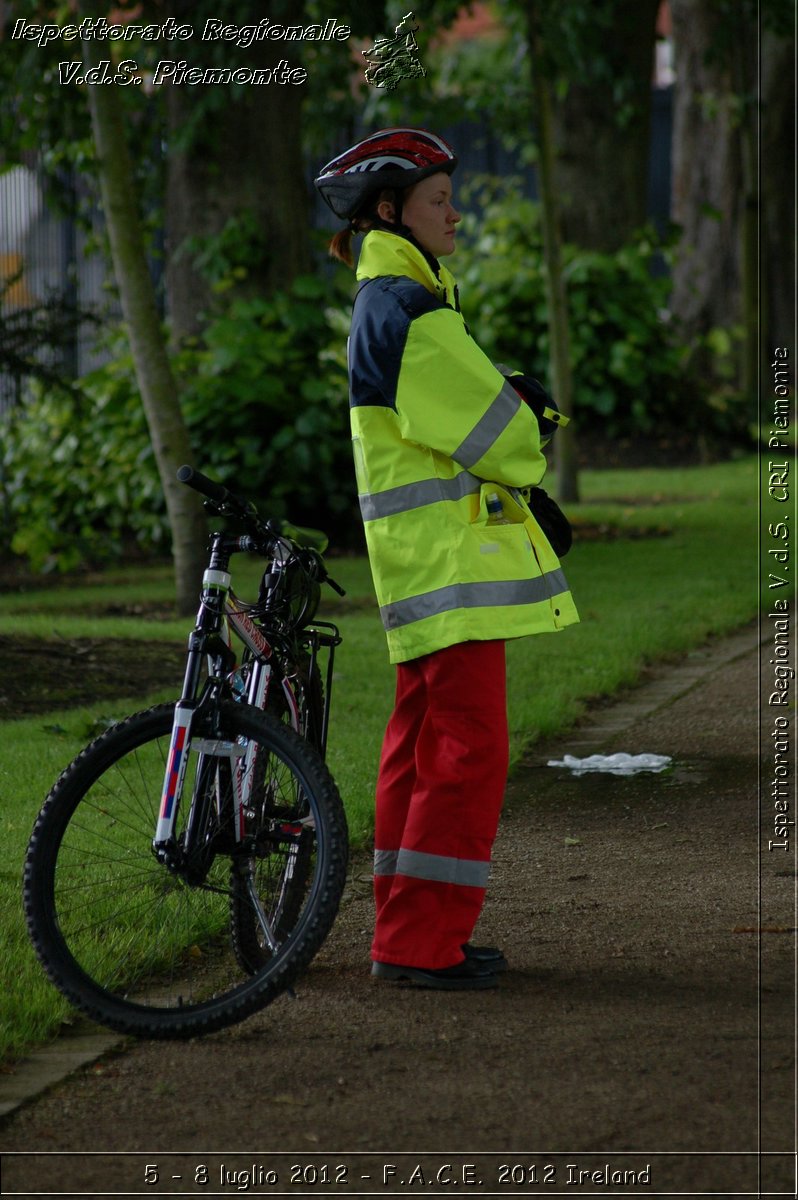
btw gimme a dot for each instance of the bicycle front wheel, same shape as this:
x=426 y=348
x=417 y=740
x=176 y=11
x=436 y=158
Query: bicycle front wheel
x=150 y=951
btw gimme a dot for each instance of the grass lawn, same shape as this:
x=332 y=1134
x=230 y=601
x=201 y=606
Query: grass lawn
x=676 y=564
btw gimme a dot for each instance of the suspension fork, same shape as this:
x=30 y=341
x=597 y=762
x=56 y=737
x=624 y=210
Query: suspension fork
x=215 y=589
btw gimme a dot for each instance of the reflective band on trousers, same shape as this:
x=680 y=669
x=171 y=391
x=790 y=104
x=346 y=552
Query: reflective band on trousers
x=417 y=495
x=473 y=595
x=468 y=872
x=490 y=428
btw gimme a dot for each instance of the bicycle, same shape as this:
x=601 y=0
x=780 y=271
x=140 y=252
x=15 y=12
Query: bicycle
x=188 y=864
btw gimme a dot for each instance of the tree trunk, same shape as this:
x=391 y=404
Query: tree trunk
x=243 y=157
x=744 y=83
x=708 y=195
x=603 y=140
x=153 y=372
x=562 y=382
x=778 y=195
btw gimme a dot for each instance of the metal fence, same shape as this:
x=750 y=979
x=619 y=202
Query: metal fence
x=48 y=268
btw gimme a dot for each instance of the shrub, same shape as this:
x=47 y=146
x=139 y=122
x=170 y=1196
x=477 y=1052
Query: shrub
x=264 y=395
x=265 y=399
x=628 y=362
x=80 y=479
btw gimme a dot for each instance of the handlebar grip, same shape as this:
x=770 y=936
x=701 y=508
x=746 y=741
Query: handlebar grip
x=201 y=483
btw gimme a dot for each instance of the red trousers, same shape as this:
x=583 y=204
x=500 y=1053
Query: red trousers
x=440 y=789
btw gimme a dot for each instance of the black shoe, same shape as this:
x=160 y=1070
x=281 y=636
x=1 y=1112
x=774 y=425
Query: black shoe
x=467 y=974
x=489 y=956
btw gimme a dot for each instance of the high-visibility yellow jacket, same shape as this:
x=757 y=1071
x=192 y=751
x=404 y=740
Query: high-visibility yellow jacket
x=436 y=429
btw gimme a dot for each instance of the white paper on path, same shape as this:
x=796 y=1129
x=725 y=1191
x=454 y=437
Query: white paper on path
x=615 y=764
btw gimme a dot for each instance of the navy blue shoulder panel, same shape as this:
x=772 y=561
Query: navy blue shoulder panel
x=383 y=312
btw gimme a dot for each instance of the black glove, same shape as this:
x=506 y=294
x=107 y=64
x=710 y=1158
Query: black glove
x=538 y=399
x=551 y=519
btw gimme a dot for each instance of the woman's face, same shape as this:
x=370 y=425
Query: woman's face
x=429 y=214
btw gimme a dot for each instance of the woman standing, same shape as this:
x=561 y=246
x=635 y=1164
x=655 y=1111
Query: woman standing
x=443 y=441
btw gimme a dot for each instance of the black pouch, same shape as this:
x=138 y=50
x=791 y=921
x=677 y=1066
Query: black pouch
x=551 y=519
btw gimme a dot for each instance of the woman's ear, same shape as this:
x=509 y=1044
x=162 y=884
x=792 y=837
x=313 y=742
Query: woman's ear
x=386 y=211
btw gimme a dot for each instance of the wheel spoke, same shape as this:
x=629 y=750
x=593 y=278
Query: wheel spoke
x=140 y=947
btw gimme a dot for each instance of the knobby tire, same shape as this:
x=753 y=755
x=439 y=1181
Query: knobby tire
x=135 y=946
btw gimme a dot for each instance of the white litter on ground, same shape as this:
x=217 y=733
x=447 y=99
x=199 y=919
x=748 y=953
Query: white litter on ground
x=615 y=764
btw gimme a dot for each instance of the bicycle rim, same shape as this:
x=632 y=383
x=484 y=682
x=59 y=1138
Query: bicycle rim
x=137 y=947
x=282 y=875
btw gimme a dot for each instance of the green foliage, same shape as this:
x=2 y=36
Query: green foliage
x=628 y=362
x=37 y=114
x=79 y=473
x=47 y=122
x=585 y=45
x=223 y=258
x=264 y=397
x=582 y=45
x=461 y=75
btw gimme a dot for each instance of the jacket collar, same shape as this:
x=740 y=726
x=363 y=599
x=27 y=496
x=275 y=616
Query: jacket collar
x=386 y=253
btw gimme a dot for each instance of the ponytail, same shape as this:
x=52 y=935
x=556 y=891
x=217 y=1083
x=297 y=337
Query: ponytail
x=340 y=246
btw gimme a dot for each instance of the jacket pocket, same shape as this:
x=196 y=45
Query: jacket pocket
x=512 y=512
x=502 y=534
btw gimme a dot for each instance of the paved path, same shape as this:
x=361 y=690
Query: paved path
x=641 y=1043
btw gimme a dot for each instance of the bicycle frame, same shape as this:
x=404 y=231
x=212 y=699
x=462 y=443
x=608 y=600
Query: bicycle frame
x=187 y=865
x=220 y=615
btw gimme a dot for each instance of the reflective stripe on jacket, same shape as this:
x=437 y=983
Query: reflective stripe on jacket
x=436 y=428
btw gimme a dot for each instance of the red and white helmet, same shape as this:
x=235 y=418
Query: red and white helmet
x=390 y=158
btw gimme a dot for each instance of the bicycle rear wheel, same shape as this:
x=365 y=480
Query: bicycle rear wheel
x=294 y=861
x=308 y=689
x=138 y=947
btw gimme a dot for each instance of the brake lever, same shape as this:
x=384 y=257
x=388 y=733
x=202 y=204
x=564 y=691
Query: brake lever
x=232 y=509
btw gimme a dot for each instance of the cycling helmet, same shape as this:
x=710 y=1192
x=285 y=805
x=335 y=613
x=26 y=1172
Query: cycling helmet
x=390 y=158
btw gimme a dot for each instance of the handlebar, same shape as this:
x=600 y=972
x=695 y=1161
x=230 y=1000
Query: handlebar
x=226 y=503
x=215 y=492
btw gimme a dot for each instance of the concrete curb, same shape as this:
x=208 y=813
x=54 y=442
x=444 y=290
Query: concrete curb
x=42 y=1069
x=599 y=728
